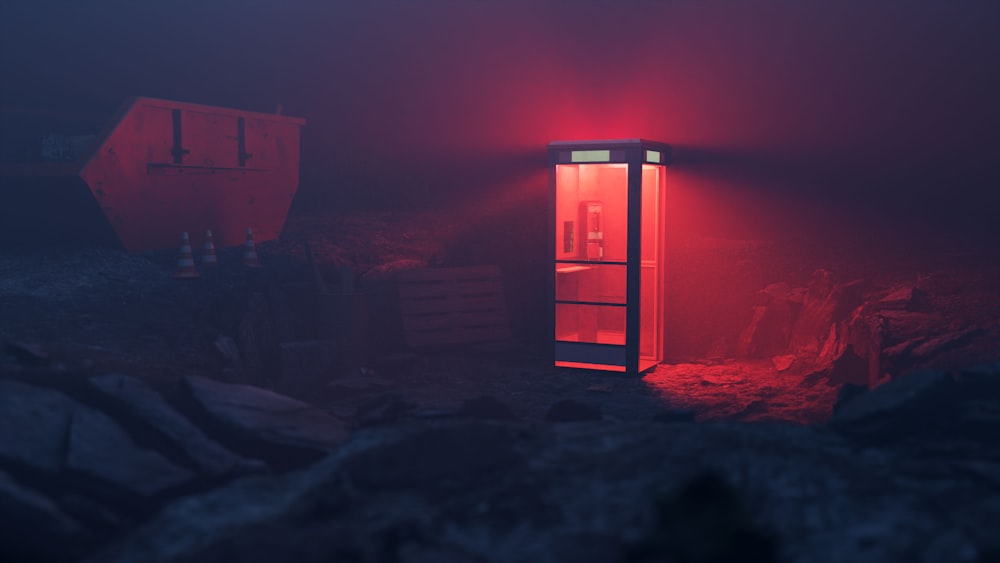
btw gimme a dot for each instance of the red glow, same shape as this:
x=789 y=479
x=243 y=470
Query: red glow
x=582 y=365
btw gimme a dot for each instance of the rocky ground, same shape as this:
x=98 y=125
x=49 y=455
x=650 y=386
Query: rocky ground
x=149 y=419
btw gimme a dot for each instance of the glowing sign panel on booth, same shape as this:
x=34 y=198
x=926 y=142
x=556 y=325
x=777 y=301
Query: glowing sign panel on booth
x=607 y=283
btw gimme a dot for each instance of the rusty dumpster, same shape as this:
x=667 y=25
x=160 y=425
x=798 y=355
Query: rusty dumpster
x=155 y=169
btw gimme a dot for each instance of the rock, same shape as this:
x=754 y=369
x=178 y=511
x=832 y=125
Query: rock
x=386 y=409
x=847 y=392
x=908 y=392
x=915 y=406
x=514 y=492
x=752 y=410
x=100 y=519
x=266 y=416
x=919 y=350
x=101 y=450
x=33 y=425
x=780 y=290
x=486 y=408
x=850 y=368
x=230 y=352
x=569 y=410
x=49 y=431
x=36 y=529
x=28 y=353
x=826 y=304
x=783 y=363
x=768 y=331
x=146 y=403
x=190 y=526
x=904 y=298
x=936 y=345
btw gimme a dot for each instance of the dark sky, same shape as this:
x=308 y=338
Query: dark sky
x=781 y=112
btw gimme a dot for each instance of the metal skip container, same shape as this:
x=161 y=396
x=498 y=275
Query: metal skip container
x=156 y=169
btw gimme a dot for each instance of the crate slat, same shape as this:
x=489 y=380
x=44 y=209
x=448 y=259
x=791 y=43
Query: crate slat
x=445 y=306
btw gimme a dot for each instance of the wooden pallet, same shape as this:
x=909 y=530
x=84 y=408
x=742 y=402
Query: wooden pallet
x=448 y=306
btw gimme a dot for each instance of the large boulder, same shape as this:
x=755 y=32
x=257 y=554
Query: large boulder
x=35 y=528
x=826 y=304
x=770 y=328
x=260 y=420
x=33 y=426
x=924 y=405
x=140 y=400
x=51 y=432
x=461 y=490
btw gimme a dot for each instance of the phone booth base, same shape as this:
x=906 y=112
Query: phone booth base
x=607 y=230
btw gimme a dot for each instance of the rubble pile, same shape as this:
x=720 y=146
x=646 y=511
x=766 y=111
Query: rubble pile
x=109 y=469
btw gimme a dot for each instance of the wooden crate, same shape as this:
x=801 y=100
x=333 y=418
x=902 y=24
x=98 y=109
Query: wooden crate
x=447 y=306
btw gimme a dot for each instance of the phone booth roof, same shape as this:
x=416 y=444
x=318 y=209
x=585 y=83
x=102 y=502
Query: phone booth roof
x=609 y=150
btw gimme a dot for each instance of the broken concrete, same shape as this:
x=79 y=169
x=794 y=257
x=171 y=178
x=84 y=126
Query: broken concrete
x=49 y=431
x=146 y=403
x=511 y=492
x=101 y=450
x=35 y=528
x=263 y=415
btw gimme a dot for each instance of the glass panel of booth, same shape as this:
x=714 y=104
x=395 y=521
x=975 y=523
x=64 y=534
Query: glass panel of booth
x=592 y=212
x=591 y=249
x=651 y=268
x=597 y=324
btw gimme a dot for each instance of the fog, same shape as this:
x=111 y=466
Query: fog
x=785 y=116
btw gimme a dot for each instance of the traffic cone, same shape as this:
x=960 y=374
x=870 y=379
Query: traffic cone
x=250 y=259
x=208 y=257
x=185 y=263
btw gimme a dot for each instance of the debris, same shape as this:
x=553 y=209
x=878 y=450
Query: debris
x=783 y=363
x=230 y=352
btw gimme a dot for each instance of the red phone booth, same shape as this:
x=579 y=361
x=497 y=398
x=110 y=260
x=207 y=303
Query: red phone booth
x=607 y=211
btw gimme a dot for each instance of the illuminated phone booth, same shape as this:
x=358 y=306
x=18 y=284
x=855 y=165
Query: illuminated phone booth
x=607 y=212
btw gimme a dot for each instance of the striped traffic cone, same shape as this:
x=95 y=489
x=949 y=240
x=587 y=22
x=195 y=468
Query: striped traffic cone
x=185 y=263
x=250 y=259
x=208 y=257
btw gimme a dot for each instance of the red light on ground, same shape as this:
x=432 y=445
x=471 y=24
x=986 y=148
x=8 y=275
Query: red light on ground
x=582 y=365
